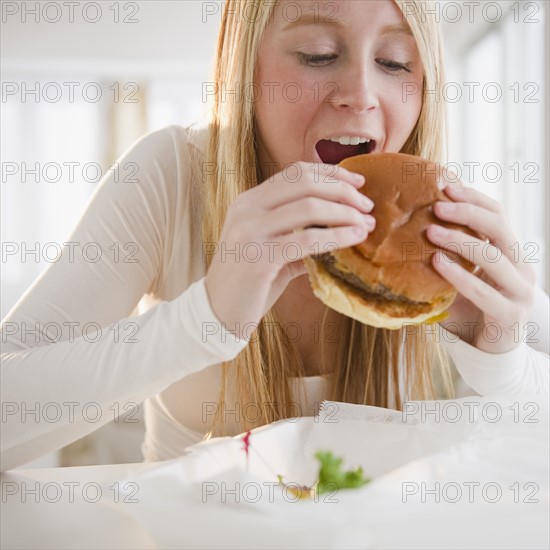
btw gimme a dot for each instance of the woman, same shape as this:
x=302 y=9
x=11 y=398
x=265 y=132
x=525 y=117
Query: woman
x=233 y=336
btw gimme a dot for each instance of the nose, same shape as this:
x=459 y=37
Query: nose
x=355 y=91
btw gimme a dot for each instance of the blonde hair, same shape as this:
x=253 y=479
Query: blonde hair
x=370 y=361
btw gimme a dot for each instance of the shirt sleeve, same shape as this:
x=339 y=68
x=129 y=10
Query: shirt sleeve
x=71 y=353
x=525 y=369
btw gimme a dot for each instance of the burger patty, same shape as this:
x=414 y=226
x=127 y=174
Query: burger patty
x=381 y=295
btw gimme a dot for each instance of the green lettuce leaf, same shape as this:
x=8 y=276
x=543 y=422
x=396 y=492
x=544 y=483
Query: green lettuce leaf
x=333 y=478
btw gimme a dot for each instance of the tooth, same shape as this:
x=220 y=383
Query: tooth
x=350 y=140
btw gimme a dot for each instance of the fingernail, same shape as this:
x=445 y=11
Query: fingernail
x=369 y=220
x=355 y=175
x=366 y=202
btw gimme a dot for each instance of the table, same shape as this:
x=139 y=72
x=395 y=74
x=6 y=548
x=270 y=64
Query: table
x=159 y=505
x=68 y=508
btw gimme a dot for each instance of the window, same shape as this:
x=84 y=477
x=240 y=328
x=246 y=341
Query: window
x=498 y=135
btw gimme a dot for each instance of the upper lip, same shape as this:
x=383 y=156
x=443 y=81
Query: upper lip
x=352 y=134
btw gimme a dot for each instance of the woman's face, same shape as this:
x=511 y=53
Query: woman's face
x=340 y=69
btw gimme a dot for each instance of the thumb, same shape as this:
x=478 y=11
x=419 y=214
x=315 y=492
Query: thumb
x=295 y=269
x=289 y=272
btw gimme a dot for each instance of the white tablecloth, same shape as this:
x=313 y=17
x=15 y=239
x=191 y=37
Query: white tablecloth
x=472 y=473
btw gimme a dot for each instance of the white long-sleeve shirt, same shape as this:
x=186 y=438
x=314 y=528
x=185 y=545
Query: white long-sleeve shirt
x=73 y=358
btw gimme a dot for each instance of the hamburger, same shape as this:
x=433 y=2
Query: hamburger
x=388 y=280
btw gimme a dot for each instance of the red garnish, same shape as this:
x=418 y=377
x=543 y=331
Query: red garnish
x=246 y=441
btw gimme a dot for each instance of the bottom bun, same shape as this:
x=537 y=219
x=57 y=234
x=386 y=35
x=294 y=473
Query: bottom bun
x=343 y=298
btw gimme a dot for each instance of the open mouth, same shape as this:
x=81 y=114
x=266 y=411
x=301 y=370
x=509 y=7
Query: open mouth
x=331 y=152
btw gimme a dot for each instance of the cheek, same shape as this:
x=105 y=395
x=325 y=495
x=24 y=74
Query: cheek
x=286 y=92
x=401 y=112
x=285 y=104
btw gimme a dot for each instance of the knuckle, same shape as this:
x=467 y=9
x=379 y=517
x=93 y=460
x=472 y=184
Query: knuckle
x=481 y=292
x=467 y=210
x=309 y=206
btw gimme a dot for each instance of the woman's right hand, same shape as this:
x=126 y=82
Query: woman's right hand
x=265 y=236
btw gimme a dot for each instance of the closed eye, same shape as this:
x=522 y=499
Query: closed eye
x=316 y=60
x=394 y=66
x=319 y=60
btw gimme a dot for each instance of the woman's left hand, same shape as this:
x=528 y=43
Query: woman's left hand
x=493 y=304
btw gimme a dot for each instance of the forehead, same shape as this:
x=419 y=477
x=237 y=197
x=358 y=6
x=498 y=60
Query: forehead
x=346 y=15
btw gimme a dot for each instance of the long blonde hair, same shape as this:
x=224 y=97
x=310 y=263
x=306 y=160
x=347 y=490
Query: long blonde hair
x=370 y=361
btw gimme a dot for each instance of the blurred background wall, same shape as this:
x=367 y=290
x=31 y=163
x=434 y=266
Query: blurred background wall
x=81 y=81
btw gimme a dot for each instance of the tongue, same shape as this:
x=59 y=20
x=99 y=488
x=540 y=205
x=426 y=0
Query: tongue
x=333 y=153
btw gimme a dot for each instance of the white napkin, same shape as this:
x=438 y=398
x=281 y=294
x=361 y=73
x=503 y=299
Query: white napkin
x=214 y=498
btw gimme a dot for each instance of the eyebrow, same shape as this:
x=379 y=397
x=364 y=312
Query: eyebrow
x=315 y=19
x=400 y=28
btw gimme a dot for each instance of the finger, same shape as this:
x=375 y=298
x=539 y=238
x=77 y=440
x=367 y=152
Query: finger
x=483 y=221
x=295 y=269
x=489 y=257
x=448 y=177
x=312 y=241
x=338 y=192
x=319 y=172
x=467 y=194
x=331 y=173
x=313 y=211
x=485 y=297
x=475 y=217
x=287 y=273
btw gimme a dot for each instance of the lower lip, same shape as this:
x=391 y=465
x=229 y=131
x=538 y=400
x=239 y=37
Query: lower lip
x=316 y=156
